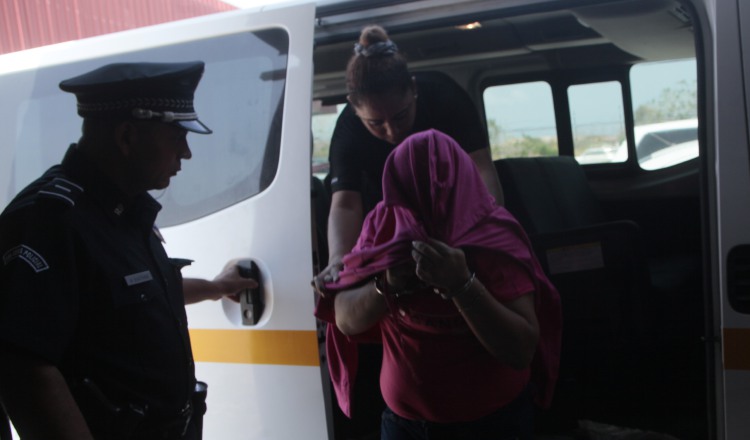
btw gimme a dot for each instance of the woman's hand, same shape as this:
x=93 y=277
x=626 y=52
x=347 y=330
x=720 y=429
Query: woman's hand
x=509 y=331
x=440 y=265
x=328 y=275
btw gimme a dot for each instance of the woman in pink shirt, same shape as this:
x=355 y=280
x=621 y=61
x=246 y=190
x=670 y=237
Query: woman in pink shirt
x=447 y=281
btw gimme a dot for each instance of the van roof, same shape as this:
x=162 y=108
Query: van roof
x=506 y=35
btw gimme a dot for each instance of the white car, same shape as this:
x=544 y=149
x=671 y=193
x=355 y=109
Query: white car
x=657 y=146
x=665 y=144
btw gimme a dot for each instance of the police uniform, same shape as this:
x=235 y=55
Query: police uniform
x=85 y=282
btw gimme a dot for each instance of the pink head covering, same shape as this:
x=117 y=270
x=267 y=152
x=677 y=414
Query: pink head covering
x=430 y=174
x=432 y=188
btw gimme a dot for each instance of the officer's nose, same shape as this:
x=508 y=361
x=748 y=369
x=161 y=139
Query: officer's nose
x=185 y=153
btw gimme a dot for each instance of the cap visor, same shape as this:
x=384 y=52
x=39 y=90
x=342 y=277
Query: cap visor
x=195 y=126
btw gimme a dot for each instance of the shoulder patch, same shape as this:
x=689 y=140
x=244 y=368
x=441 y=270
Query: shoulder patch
x=28 y=255
x=61 y=189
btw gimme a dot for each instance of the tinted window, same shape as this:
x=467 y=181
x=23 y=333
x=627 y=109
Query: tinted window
x=240 y=98
x=521 y=120
x=665 y=109
x=598 y=122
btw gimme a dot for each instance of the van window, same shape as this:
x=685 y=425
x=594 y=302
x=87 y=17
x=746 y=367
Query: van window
x=521 y=120
x=598 y=122
x=665 y=110
x=240 y=98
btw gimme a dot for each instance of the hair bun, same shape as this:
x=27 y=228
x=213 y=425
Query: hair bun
x=383 y=48
x=372 y=34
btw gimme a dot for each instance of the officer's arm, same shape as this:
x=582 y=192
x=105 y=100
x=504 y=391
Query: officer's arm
x=228 y=283
x=38 y=400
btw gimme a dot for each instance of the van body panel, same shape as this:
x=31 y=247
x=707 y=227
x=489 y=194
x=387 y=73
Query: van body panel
x=731 y=147
x=259 y=229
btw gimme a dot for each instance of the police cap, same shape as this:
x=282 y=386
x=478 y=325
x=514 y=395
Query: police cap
x=145 y=91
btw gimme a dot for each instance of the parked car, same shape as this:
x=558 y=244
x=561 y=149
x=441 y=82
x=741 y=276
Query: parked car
x=657 y=146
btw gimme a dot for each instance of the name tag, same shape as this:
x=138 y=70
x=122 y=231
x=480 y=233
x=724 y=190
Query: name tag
x=138 y=278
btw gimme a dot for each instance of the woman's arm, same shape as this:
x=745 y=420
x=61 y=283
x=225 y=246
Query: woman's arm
x=344 y=225
x=509 y=331
x=358 y=309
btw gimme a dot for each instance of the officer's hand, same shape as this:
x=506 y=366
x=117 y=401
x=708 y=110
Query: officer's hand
x=230 y=283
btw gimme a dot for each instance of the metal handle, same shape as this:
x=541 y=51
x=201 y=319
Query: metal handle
x=251 y=300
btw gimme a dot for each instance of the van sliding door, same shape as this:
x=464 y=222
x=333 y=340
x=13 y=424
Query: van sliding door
x=244 y=194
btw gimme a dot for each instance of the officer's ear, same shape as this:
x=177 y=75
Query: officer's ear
x=126 y=136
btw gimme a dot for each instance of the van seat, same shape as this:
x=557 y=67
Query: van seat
x=599 y=269
x=548 y=194
x=575 y=243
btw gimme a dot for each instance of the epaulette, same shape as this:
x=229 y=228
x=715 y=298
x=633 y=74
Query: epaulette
x=61 y=189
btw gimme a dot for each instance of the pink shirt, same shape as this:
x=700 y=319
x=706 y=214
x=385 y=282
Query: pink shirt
x=434 y=368
x=432 y=188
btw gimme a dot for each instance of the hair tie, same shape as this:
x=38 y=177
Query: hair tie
x=381 y=48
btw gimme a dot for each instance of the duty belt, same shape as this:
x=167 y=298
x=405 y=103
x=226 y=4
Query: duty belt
x=168 y=429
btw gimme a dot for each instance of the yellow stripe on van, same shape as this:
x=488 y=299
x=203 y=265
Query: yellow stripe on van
x=737 y=348
x=277 y=347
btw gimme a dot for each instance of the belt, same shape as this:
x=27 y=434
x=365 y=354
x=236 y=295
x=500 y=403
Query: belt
x=167 y=429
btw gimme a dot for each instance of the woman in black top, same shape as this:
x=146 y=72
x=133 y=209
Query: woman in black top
x=387 y=104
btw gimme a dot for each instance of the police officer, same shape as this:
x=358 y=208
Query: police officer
x=93 y=330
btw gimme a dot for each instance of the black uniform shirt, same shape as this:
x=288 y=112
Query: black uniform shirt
x=357 y=157
x=86 y=284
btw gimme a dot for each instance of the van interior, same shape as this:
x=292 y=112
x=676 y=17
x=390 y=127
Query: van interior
x=594 y=121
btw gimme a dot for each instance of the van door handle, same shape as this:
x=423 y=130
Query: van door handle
x=251 y=300
x=738 y=278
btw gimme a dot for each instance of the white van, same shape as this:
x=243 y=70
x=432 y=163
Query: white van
x=551 y=78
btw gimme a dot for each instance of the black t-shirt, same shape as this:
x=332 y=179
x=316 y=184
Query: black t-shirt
x=85 y=283
x=357 y=157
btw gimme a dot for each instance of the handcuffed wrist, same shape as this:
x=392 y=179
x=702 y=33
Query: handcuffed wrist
x=379 y=286
x=463 y=289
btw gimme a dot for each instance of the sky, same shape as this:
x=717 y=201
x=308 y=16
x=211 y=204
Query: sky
x=521 y=108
